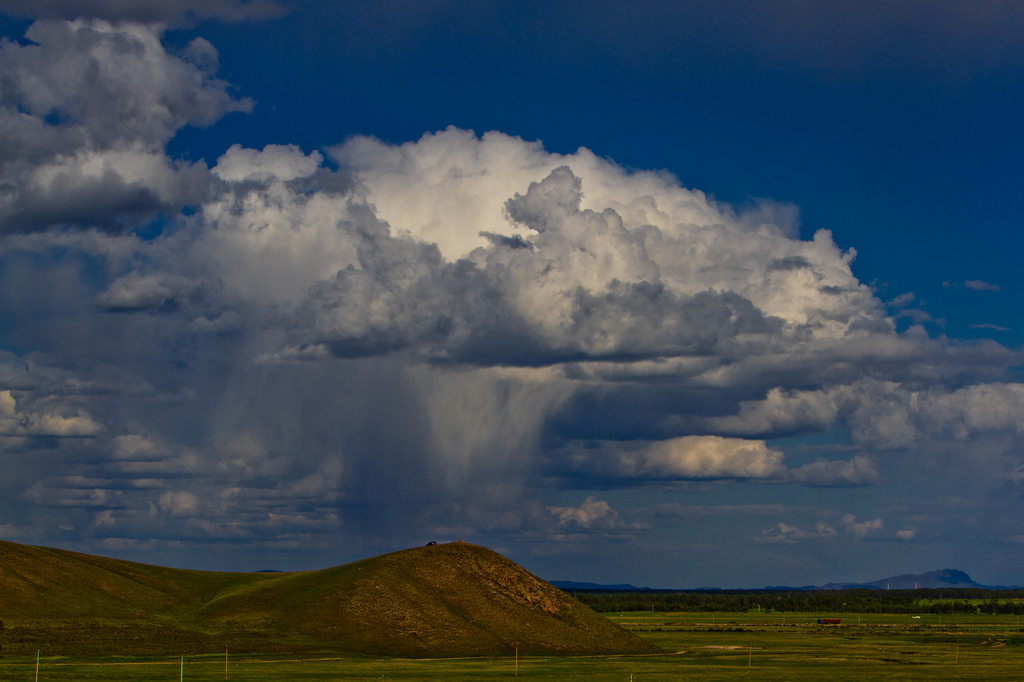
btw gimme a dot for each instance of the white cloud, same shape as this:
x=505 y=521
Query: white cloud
x=709 y=457
x=978 y=285
x=783 y=533
x=592 y=514
x=266 y=239
x=860 y=530
x=450 y=186
x=590 y=285
x=702 y=458
x=275 y=162
x=781 y=411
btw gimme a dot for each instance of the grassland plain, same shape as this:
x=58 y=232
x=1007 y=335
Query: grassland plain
x=100 y=619
x=704 y=646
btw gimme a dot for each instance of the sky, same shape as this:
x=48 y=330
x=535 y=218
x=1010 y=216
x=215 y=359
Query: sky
x=676 y=294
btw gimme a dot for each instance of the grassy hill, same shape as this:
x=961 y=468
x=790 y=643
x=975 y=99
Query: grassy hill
x=444 y=600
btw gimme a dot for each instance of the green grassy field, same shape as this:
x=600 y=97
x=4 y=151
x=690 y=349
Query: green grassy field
x=704 y=646
x=448 y=600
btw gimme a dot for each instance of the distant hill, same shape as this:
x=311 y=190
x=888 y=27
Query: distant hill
x=454 y=599
x=947 y=577
x=572 y=585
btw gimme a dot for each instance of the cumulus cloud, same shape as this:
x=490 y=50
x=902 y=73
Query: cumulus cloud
x=85 y=112
x=449 y=187
x=861 y=529
x=883 y=414
x=591 y=514
x=978 y=285
x=783 y=533
x=710 y=457
x=610 y=281
x=781 y=412
x=272 y=235
x=697 y=459
x=280 y=162
x=43 y=420
x=890 y=415
x=607 y=283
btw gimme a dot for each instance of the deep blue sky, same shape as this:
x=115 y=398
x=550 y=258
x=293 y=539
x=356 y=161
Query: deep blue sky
x=154 y=311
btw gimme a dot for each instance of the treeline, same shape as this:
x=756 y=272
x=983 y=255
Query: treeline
x=920 y=601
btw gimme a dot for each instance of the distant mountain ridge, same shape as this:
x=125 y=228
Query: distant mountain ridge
x=573 y=585
x=944 y=578
x=947 y=577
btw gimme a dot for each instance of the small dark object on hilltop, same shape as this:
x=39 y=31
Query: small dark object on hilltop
x=430 y=543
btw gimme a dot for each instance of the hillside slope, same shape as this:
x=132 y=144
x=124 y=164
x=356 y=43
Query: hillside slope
x=43 y=583
x=445 y=600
